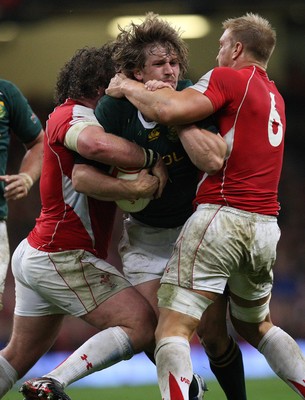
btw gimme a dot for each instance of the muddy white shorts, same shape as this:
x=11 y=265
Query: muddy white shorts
x=71 y=282
x=222 y=245
x=145 y=250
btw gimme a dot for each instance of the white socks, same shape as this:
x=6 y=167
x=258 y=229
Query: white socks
x=285 y=358
x=8 y=376
x=174 y=367
x=99 y=352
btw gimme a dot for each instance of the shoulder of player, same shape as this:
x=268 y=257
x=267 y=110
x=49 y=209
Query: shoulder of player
x=230 y=79
x=224 y=72
x=12 y=95
x=110 y=105
x=112 y=101
x=7 y=86
x=230 y=73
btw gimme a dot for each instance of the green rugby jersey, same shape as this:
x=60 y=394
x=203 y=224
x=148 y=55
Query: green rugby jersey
x=120 y=117
x=16 y=116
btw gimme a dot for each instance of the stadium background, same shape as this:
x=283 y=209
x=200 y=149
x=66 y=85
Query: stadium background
x=37 y=37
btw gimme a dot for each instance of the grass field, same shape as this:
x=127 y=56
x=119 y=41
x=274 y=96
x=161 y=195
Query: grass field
x=267 y=389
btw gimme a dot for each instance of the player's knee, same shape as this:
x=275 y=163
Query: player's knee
x=143 y=340
x=142 y=329
x=214 y=345
x=212 y=331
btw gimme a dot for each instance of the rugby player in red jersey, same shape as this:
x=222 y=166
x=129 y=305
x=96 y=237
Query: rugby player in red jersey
x=60 y=268
x=231 y=238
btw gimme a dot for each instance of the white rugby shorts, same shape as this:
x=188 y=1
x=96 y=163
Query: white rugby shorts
x=70 y=282
x=145 y=250
x=221 y=245
x=4 y=254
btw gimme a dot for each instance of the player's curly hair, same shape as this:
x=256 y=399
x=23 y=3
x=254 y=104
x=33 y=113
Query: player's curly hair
x=135 y=41
x=87 y=72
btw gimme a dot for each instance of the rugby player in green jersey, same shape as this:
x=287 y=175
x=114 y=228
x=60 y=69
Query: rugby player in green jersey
x=16 y=118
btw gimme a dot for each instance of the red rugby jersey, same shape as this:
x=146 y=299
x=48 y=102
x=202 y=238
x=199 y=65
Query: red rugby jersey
x=68 y=220
x=250 y=113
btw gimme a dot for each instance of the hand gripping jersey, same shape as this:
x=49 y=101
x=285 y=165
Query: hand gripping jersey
x=120 y=117
x=68 y=220
x=250 y=115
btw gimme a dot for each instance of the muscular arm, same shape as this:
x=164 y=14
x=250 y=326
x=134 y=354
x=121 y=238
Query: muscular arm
x=101 y=186
x=163 y=105
x=205 y=149
x=95 y=144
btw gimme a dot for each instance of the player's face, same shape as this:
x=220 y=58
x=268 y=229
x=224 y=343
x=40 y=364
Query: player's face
x=161 y=66
x=225 y=50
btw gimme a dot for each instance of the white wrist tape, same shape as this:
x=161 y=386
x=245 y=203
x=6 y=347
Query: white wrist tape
x=27 y=179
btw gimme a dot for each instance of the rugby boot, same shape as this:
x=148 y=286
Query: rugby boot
x=43 y=389
x=202 y=388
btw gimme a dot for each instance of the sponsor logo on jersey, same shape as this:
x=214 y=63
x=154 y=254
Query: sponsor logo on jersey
x=172 y=158
x=154 y=134
x=2 y=109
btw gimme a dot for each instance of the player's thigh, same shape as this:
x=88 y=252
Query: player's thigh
x=149 y=291
x=71 y=282
x=250 y=287
x=126 y=308
x=145 y=250
x=253 y=278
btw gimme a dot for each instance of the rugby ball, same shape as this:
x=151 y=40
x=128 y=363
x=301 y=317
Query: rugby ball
x=129 y=205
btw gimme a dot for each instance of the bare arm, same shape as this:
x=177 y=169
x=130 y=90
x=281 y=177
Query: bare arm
x=101 y=186
x=95 y=144
x=18 y=185
x=163 y=105
x=205 y=149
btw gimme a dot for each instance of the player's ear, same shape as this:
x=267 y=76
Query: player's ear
x=237 y=50
x=137 y=73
